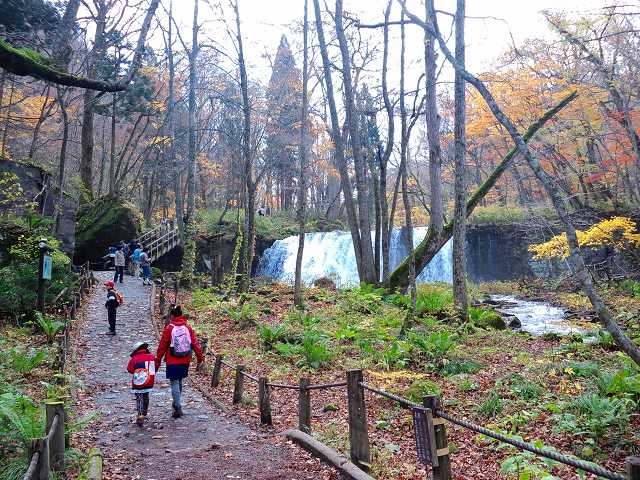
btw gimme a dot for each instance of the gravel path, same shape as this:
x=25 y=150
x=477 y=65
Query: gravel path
x=204 y=444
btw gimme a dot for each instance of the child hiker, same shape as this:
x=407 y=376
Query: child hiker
x=114 y=300
x=176 y=345
x=142 y=367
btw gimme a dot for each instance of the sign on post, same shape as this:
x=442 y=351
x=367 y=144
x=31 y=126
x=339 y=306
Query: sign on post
x=425 y=436
x=47 y=265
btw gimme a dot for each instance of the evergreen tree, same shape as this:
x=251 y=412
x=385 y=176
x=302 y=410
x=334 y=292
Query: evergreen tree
x=284 y=100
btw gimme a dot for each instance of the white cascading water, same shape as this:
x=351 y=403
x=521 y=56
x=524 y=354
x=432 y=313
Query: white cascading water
x=331 y=254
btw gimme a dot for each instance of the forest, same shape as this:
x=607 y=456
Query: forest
x=444 y=198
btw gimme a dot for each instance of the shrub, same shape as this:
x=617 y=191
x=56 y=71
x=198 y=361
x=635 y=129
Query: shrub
x=421 y=388
x=395 y=356
x=433 y=300
x=22 y=361
x=244 y=314
x=269 y=335
x=492 y=406
x=524 y=388
x=458 y=366
x=314 y=351
x=631 y=287
x=49 y=326
x=434 y=346
x=595 y=416
x=366 y=299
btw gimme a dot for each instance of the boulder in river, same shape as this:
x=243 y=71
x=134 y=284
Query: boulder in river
x=512 y=321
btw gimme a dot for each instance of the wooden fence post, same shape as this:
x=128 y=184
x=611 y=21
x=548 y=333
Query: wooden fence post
x=304 y=406
x=633 y=468
x=217 y=367
x=238 y=387
x=443 y=470
x=264 y=401
x=56 y=445
x=41 y=445
x=204 y=343
x=358 y=432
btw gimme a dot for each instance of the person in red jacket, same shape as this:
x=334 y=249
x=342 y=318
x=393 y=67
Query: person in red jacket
x=176 y=346
x=142 y=367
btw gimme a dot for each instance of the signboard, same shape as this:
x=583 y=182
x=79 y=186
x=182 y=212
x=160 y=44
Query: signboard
x=425 y=436
x=47 y=265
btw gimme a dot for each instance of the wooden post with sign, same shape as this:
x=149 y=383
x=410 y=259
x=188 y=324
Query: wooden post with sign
x=633 y=468
x=425 y=436
x=441 y=467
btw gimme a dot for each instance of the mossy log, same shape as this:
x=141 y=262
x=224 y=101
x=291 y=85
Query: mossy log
x=432 y=242
x=26 y=62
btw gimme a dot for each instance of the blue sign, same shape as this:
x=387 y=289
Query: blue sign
x=47 y=266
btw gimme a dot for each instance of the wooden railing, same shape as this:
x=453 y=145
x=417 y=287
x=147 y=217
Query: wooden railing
x=160 y=239
x=47 y=453
x=431 y=443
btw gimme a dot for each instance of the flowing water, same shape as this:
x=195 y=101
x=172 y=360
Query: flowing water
x=331 y=254
x=537 y=318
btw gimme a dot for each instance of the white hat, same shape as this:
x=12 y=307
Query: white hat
x=139 y=345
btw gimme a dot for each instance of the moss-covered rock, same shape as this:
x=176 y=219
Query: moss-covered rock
x=102 y=223
x=491 y=320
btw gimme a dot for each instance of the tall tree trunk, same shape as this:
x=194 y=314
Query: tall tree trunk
x=188 y=264
x=62 y=159
x=250 y=185
x=576 y=260
x=436 y=218
x=88 y=99
x=460 y=295
x=404 y=167
x=297 y=291
x=368 y=274
x=384 y=157
x=338 y=144
x=7 y=119
x=112 y=153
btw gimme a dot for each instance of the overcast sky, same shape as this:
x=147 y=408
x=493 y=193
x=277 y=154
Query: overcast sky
x=264 y=21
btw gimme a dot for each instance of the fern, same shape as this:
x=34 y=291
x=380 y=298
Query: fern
x=49 y=326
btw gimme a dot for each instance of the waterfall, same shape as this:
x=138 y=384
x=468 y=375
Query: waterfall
x=331 y=254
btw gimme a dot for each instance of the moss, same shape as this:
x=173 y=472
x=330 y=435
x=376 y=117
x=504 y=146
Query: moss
x=102 y=223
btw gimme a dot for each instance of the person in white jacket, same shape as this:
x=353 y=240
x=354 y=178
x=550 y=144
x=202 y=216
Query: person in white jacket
x=119 y=262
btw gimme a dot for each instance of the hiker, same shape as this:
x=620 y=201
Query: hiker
x=119 y=263
x=143 y=368
x=145 y=263
x=114 y=300
x=176 y=345
x=126 y=252
x=136 y=260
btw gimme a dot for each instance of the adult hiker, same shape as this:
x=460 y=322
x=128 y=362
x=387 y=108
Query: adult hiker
x=127 y=253
x=135 y=256
x=119 y=264
x=176 y=346
x=145 y=263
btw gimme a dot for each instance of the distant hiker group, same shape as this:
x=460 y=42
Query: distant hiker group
x=132 y=257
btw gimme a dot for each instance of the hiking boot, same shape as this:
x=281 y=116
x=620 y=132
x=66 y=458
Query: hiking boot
x=111 y=332
x=177 y=413
x=140 y=421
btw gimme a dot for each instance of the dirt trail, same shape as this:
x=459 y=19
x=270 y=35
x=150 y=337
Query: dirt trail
x=205 y=444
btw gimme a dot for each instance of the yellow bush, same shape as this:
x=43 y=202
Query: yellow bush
x=618 y=232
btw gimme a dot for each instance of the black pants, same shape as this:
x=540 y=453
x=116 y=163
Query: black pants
x=119 y=273
x=111 y=312
x=142 y=403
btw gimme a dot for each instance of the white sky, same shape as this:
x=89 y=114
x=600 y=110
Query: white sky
x=264 y=21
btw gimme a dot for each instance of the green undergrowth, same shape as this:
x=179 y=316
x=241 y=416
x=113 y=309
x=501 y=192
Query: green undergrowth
x=583 y=394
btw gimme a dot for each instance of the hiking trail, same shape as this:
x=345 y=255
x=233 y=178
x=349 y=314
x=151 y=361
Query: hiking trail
x=204 y=444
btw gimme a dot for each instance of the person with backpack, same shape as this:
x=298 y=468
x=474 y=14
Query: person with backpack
x=119 y=263
x=114 y=300
x=176 y=346
x=125 y=251
x=142 y=366
x=136 y=260
x=145 y=263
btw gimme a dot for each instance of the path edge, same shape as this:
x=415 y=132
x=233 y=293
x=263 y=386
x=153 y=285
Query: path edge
x=329 y=456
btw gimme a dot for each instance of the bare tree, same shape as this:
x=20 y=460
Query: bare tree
x=460 y=296
x=297 y=291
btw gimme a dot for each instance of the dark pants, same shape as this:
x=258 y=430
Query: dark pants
x=119 y=273
x=142 y=403
x=111 y=313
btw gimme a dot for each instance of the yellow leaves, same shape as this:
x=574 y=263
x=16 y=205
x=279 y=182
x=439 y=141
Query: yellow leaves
x=619 y=232
x=159 y=141
x=158 y=106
